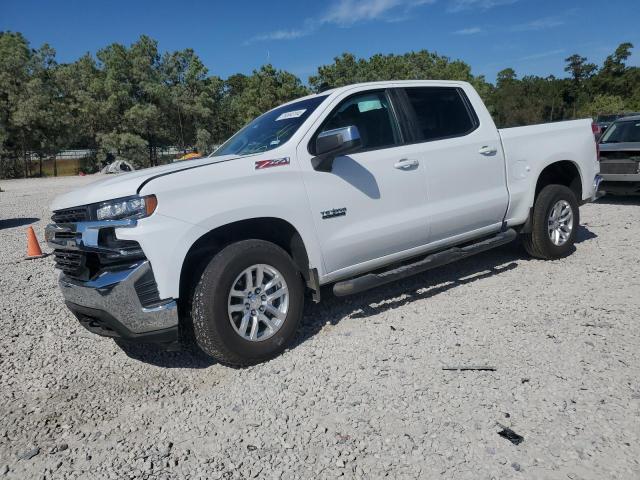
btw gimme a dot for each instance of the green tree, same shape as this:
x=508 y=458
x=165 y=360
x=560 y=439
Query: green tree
x=615 y=77
x=15 y=57
x=603 y=104
x=130 y=100
x=420 y=65
x=581 y=72
x=263 y=90
x=193 y=100
x=615 y=64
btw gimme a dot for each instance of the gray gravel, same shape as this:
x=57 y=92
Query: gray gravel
x=362 y=394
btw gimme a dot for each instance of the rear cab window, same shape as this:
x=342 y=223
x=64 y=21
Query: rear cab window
x=440 y=113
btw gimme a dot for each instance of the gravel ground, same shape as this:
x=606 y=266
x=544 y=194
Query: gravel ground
x=362 y=394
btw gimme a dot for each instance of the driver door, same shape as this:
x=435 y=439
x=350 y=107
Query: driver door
x=372 y=204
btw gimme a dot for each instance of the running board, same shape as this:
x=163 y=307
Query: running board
x=371 y=280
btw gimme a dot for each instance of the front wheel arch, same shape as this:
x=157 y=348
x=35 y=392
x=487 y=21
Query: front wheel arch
x=271 y=229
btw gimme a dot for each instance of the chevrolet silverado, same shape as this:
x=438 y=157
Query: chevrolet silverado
x=354 y=187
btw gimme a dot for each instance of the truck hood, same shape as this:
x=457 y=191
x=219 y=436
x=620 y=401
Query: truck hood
x=125 y=184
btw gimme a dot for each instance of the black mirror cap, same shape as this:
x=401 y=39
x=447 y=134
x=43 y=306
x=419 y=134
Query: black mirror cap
x=333 y=143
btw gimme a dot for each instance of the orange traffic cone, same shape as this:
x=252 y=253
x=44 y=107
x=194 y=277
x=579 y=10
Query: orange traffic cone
x=33 y=247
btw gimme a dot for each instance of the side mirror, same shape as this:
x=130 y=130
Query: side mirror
x=332 y=144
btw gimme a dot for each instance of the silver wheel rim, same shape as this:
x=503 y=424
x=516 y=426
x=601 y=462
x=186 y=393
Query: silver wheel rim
x=258 y=302
x=560 y=223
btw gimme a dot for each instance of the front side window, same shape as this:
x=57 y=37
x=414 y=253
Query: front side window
x=440 y=112
x=622 y=131
x=371 y=114
x=271 y=129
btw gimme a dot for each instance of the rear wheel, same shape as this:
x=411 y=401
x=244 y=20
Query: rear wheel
x=554 y=223
x=248 y=303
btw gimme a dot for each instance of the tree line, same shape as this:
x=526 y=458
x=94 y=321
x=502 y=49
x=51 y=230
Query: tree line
x=134 y=100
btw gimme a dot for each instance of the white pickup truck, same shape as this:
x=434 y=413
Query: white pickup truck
x=354 y=187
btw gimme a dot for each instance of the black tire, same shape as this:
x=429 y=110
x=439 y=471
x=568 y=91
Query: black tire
x=212 y=328
x=537 y=243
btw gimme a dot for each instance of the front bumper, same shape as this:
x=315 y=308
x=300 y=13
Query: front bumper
x=109 y=305
x=118 y=298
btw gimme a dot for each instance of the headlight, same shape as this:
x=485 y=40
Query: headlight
x=129 y=207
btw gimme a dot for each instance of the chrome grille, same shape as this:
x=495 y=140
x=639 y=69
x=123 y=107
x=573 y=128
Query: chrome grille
x=64 y=234
x=71 y=215
x=619 y=168
x=620 y=154
x=69 y=261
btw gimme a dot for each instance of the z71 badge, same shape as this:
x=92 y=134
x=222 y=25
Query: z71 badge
x=334 y=212
x=279 y=162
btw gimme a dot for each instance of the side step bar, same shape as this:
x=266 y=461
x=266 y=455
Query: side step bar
x=371 y=280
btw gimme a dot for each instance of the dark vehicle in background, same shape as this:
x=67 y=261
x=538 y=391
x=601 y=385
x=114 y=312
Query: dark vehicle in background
x=620 y=157
x=604 y=121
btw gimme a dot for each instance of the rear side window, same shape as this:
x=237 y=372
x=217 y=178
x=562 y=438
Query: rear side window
x=441 y=112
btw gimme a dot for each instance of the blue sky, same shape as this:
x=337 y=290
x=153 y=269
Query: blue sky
x=532 y=36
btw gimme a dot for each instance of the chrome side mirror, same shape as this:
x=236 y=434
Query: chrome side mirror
x=332 y=144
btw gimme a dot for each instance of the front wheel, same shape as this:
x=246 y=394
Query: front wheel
x=248 y=303
x=554 y=223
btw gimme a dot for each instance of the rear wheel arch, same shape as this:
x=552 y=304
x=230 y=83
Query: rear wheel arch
x=563 y=172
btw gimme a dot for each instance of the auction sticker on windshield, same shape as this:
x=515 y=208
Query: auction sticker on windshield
x=291 y=114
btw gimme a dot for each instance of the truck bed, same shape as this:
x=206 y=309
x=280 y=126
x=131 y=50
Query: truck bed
x=529 y=149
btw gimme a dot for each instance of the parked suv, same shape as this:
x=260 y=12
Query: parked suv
x=354 y=187
x=620 y=157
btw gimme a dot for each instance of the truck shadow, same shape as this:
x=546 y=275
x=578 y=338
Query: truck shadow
x=155 y=355
x=333 y=309
x=620 y=200
x=583 y=234
x=17 y=222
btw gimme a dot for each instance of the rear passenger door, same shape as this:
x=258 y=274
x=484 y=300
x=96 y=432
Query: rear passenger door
x=463 y=160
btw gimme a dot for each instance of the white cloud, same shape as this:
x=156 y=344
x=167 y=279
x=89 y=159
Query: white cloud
x=549 y=53
x=539 y=24
x=460 y=5
x=348 y=12
x=468 y=31
x=345 y=13
x=281 y=35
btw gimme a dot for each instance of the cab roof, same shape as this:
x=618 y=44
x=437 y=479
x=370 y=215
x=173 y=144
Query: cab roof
x=381 y=83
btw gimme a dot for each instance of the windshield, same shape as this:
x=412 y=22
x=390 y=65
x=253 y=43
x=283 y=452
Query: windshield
x=270 y=130
x=622 y=131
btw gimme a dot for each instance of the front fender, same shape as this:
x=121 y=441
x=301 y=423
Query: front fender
x=191 y=203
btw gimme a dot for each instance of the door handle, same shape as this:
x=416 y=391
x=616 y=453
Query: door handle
x=487 y=150
x=406 y=164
